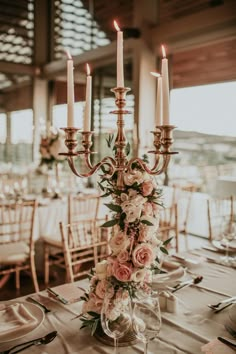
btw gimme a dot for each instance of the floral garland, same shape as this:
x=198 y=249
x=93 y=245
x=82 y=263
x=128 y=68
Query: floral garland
x=50 y=146
x=134 y=245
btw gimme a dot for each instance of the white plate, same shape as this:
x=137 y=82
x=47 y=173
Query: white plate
x=232 y=314
x=218 y=245
x=35 y=311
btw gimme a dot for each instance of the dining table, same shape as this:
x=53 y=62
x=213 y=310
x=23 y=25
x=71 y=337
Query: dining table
x=188 y=328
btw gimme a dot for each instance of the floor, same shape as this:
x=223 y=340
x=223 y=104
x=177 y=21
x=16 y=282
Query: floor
x=58 y=276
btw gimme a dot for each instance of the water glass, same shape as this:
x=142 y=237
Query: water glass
x=147 y=319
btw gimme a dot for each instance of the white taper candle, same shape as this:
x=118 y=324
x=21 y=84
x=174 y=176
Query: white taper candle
x=159 y=113
x=88 y=101
x=165 y=88
x=70 y=90
x=120 y=62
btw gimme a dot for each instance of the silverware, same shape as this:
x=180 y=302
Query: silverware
x=230 y=330
x=196 y=280
x=224 y=307
x=227 y=341
x=59 y=297
x=42 y=340
x=225 y=301
x=46 y=310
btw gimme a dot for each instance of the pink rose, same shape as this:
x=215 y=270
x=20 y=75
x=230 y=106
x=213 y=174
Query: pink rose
x=101 y=288
x=147 y=209
x=143 y=255
x=123 y=256
x=147 y=188
x=119 y=242
x=122 y=271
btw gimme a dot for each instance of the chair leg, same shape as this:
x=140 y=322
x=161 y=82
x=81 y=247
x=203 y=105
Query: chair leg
x=4 y=280
x=34 y=275
x=46 y=264
x=17 y=278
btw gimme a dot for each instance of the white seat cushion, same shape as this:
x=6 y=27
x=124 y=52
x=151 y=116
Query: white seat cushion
x=52 y=242
x=11 y=253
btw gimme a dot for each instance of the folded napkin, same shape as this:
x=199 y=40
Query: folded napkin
x=15 y=319
x=69 y=292
x=216 y=347
x=161 y=281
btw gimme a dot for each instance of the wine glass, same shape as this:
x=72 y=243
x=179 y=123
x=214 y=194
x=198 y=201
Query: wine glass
x=116 y=317
x=228 y=236
x=147 y=319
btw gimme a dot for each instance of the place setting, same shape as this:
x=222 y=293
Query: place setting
x=117 y=177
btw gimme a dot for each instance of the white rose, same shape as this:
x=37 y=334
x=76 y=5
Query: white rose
x=138 y=275
x=101 y=269
x=133 y=213
x=131 y=178
x=119 y=242
x=124 y=197
x=56 y=147
x=139 y=199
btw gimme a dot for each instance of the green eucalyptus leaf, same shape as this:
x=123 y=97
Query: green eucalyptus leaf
x=110 y=223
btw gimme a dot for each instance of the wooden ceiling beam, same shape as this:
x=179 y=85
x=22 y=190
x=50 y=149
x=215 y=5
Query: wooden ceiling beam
x=97 y=58
x=207 y=27
x=20 y=69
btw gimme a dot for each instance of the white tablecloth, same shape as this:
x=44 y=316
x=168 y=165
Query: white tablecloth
x=183 y=332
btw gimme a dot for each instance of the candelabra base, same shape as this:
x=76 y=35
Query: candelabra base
x=128 y=339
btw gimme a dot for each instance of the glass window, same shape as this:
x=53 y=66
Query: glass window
x=209 y=109
x=3 y=128
x=22 y=127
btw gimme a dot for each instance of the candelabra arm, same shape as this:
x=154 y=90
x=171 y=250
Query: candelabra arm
x=151 y=171
x=108 y=161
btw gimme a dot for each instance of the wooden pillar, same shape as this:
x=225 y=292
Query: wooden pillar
x=8 y=157
x=43 y=51
x=144 y=61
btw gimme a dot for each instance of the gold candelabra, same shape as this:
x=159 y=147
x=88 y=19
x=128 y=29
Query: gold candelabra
x=163 y=139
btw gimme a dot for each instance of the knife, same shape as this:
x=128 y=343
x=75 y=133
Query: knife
x=227 y=341
x=59 y=297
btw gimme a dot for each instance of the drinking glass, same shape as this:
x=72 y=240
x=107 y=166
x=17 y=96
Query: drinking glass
x=147 y=319
x=116 y=315
x=228 y=236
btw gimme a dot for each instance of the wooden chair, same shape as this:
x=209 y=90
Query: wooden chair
x=168 y=224
x=16 y=240
x=83 y=243
x=220 y=214
x=80 y=207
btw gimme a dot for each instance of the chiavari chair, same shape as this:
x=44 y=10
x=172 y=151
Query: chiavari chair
x=16 y=240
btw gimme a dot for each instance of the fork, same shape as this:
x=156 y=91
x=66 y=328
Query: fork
x=215 y=307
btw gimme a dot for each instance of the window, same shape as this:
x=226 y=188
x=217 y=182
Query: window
x=209 y=109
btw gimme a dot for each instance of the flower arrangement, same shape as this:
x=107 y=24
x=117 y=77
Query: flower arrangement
x=50 y=146
x=134 y=245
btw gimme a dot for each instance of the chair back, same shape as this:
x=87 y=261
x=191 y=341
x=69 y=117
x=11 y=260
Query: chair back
x=168 y=224
x=220 y=214
x=82 y=207
x=17 y=222
x=83 y=242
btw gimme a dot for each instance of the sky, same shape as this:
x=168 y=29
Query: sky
x=207 y=109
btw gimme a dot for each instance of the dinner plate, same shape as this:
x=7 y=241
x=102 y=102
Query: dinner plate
x=35 y=311
x=232 y=314
x=218 y=245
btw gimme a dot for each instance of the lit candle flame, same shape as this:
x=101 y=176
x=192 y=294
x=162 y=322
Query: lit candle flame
x=163 y=51
x=155 y=74
x=116 y=26
x=69 y=57
x=88 y=69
